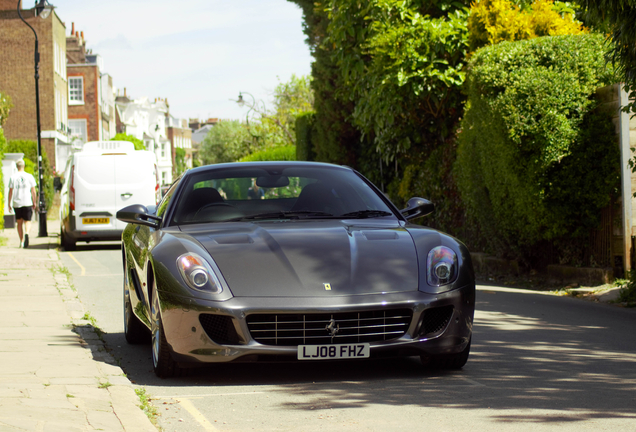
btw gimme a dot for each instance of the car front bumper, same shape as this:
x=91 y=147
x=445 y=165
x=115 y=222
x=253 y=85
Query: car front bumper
x=229 y=338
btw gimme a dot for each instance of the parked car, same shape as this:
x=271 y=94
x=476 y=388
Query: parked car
x=320 y=266
x=103 y=177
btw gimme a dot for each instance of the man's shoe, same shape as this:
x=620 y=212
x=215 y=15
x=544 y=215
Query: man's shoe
x=26 y=240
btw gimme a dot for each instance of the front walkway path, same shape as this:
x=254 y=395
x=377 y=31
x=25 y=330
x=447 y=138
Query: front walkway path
x=54 y=372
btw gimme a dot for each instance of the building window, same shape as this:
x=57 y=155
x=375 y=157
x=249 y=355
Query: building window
x=76 y=90
x=77 y=129
x=163 y=150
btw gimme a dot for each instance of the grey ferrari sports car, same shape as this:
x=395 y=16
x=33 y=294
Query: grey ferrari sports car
x=293 y=261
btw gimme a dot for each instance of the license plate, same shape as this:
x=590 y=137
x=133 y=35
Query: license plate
x=332 y=352
x=93 y=221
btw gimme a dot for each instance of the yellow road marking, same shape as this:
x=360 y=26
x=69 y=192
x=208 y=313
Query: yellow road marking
x=197 y=415
x=78 y=263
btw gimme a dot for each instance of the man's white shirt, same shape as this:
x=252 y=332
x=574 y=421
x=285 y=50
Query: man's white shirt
x=21 y=183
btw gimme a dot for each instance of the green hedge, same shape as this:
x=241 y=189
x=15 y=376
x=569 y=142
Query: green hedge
x=3 y=143
x=536 y=161
x=286 y=153
x=30 y=150
x=305 y=130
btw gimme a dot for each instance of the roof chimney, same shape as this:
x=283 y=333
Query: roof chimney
x=124 y=91
x=72 y=29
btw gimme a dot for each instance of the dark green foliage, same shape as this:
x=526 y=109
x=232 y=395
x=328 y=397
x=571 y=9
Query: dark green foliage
x=536 y=162
x=618 y=18
x=387 y=79
x=336 y=139
x=3 y=143
x=30 y=150
x=305 y=130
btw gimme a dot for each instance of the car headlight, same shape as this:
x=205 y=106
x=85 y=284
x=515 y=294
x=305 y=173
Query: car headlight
x=441 y=266
x=198 y=274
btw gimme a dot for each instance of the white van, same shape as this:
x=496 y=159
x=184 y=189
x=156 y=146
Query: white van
x=98 y=181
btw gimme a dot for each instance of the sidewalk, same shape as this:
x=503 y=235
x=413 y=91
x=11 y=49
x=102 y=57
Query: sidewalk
x=52 y=378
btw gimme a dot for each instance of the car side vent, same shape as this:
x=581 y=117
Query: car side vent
x=220 y=329
x=435 y=320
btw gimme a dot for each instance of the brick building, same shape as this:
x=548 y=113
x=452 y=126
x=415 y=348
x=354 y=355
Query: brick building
x=17 y=45
x=91 y=111
x=180 y=136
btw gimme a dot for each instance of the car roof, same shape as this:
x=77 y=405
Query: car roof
x=268 y=165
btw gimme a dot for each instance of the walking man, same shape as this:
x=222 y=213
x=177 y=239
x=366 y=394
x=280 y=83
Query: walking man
x=22 y=198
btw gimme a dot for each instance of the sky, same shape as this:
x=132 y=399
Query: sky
x=197 y=54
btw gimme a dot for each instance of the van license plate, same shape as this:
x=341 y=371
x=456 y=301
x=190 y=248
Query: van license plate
x=94 y=221
x=332 y=352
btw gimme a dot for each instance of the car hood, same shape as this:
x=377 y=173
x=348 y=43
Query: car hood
x=312 y=258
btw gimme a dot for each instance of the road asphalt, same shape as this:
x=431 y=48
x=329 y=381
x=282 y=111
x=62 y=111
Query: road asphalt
x=55 y=374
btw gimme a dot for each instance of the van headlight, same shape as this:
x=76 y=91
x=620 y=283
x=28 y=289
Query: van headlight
x=441 y=266
x=198 y=274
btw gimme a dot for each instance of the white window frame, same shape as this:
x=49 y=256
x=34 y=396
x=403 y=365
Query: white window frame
x=71 y=100
x=73 y=129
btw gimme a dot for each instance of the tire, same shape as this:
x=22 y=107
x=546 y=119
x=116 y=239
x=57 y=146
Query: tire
x=134 y=330
x=164 y=365
x=449 y=362
x=67 y=244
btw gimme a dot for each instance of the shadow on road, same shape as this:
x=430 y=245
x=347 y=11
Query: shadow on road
x=563 y=359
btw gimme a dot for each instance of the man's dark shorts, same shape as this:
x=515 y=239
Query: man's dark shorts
x=24 y=213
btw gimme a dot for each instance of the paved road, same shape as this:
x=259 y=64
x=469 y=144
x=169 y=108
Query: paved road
x=539 y=363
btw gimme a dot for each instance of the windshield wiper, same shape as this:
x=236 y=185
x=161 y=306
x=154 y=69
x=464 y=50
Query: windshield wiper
x=282 y=215
x=361 y=214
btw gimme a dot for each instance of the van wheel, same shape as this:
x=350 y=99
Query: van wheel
x=67 y=243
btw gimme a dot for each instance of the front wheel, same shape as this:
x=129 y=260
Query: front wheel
x=455 y=361
x=164 y=365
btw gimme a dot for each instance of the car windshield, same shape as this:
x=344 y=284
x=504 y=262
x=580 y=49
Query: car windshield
x=265 y=192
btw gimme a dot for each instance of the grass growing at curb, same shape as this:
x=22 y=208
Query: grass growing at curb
x=627 y=293
x=105 y=384
x=90 y=318
x=3 y=241
x=150 y=411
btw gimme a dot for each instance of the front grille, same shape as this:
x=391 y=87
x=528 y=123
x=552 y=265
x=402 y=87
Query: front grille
x=315 y=328
x=219 y=328
x=435 y=320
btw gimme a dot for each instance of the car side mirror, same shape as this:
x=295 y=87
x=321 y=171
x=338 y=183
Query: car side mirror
x=139 y=215
x=417 y=207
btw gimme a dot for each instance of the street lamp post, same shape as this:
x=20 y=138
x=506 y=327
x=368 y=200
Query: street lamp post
x=263 y=113
x=42 y=9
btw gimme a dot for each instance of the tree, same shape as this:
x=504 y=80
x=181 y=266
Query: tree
x=618 y=17
x=139 y=144
x=494 y=21
x=228 y=141
x=180 y=164
x=5 y=107
x=277 y=127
